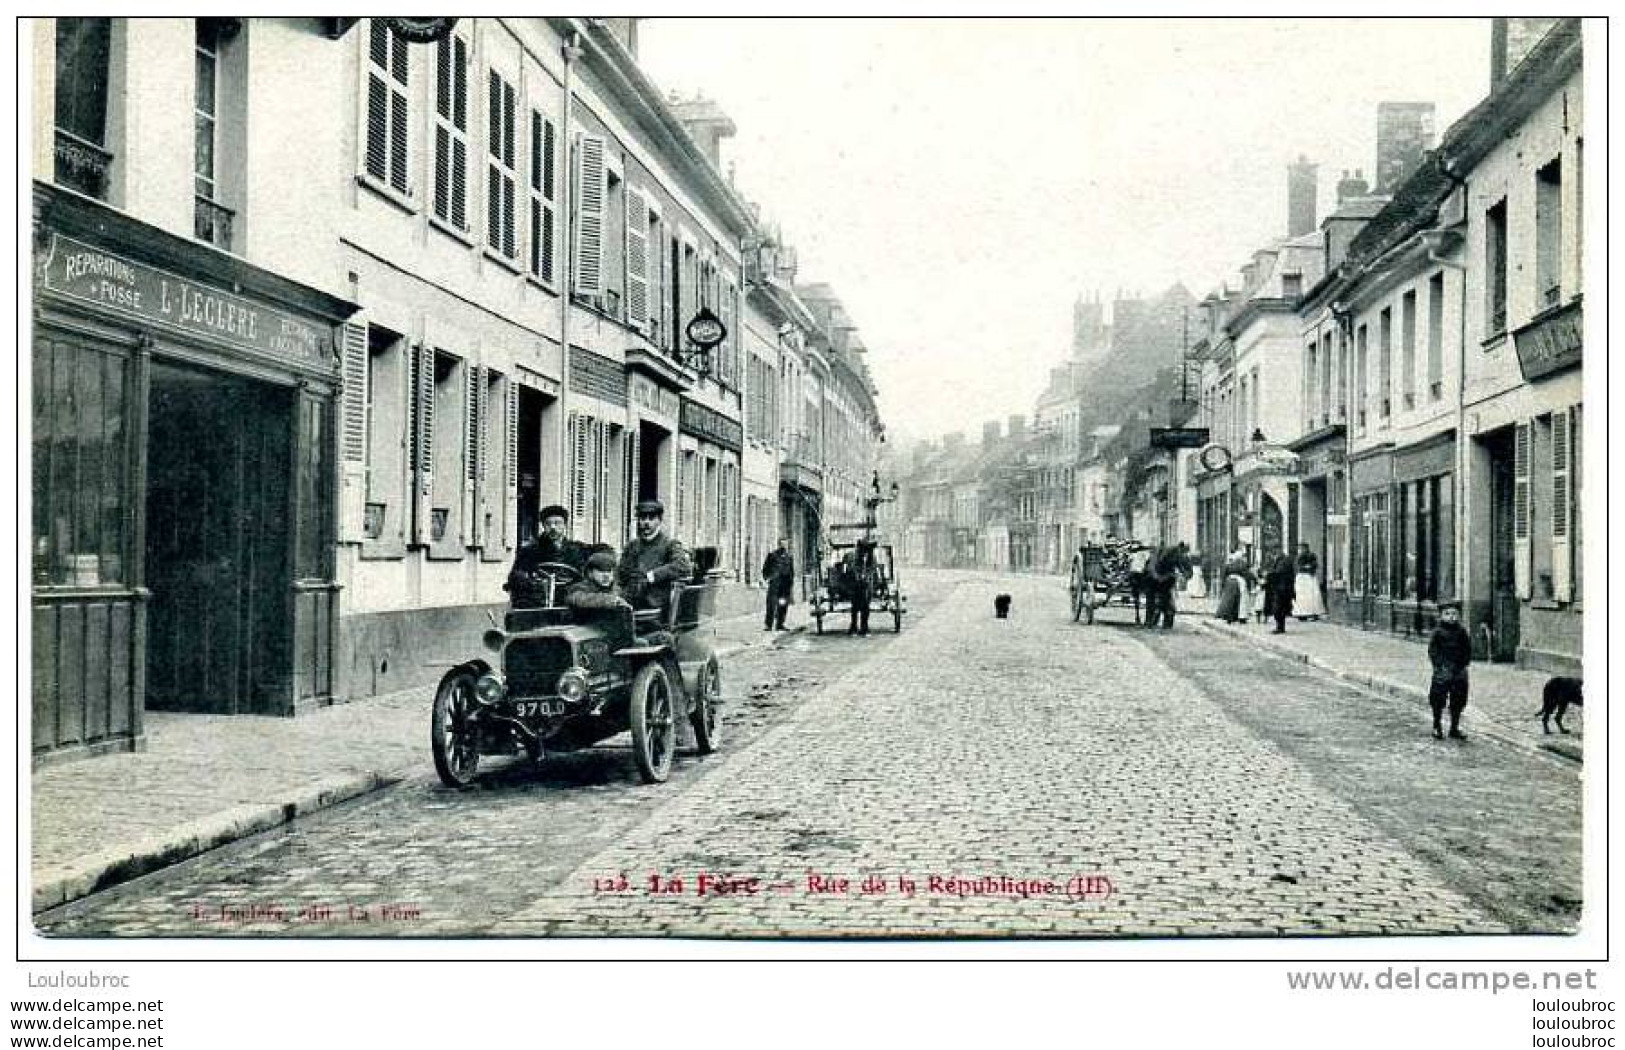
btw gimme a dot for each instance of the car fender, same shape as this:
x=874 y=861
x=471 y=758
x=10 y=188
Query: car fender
x=476 y=666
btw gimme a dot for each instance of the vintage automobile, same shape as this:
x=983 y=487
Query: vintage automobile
x=559 y=680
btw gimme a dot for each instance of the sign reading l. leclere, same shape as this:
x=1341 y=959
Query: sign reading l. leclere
x=150 y=294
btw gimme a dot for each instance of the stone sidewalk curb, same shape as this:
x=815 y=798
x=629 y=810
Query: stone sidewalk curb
x=188 y=840
x=68 y=883
x=1488 y=726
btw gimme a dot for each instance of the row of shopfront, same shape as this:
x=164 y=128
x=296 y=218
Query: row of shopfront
x=190 y=444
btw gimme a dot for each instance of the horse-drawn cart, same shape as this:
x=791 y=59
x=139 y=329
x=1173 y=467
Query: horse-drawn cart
x=1107 y=574
x=861 y=582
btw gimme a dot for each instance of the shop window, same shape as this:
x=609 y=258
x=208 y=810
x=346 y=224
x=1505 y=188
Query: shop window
x=83 y=61
x=81 y=487
x=387 y=411
x=314 y=538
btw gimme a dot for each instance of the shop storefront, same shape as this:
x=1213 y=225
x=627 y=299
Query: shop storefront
x=711 y=478
x=1322 y=514
x=1422 y=505
x=183 y=481
x=1371 y=589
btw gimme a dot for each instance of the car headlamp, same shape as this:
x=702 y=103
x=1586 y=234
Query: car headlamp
x=573 y=684
x=489 y=688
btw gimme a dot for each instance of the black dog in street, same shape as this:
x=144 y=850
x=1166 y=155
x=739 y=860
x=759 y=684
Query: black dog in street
x=1560 y=692
x=1001 y=609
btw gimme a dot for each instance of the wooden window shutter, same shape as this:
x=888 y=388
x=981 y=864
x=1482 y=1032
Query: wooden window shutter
x=377 y=157
x=1521 y=510
x=399 y=116
x=422 y=441
x=1562 y=507
x=631 y=496
x=510 y=489
x=578 y=469
x=353 y=433
x=591 y=191
x=637 y=260
x=543 y=207
x=606 y=481
x=473 y=455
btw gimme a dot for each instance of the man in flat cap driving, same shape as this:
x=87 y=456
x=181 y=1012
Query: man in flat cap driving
x=653 y=561
x=552 y=546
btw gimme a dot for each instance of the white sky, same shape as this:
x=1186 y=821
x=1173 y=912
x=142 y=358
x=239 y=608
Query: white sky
x=960 y=182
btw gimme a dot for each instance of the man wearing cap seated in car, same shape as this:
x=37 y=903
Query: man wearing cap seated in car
x=653 y=561
x=595 y=593
x=552 y=546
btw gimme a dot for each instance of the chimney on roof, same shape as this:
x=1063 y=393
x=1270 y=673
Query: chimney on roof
x=626 y=31
x=1300 y=197
x=1404 y=135
x=706 y=124
x=1018 y=427
x=1351 y=186
x=1510 y=40
x=991 y=431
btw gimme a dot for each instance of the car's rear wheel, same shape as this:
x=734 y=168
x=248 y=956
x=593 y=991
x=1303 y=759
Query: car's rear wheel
x=707 y=700
x=452 y=731
x=654 y=729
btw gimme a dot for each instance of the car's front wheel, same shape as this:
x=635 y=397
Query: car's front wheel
x=452 y=730
x=654 y=730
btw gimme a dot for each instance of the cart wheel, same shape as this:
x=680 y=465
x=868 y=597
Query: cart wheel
x=897 y=618
x=706 y=702
x=1077 y=603
x=653 y=728
x=818 y=622
x=1089 y=603
x=451 y=730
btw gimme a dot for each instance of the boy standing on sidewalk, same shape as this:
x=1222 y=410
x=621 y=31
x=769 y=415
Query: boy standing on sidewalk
x=1449 y=651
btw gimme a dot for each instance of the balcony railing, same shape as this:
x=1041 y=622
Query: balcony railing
x=82 y=165
x=212 y=222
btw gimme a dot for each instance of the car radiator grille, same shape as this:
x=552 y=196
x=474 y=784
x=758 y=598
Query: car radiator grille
x=533 y=665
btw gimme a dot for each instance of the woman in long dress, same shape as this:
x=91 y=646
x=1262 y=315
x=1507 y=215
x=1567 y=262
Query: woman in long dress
x=1307 y=603
x=1235 y=597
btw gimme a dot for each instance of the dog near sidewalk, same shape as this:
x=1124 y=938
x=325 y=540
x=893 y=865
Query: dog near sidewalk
x=1560 y=693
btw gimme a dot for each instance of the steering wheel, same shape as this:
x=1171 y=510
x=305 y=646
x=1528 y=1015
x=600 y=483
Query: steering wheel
x=556 y=571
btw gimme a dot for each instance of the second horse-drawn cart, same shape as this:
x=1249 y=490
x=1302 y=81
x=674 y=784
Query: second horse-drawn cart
x=1107 y=574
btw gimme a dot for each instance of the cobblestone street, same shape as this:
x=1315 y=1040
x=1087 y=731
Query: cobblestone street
x=970 y=777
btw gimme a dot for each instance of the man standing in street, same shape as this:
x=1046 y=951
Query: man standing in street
x=552 y=546
x=652 y=561
x=779 y=570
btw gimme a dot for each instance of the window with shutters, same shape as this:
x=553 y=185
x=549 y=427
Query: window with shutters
x=493 y=491
x=637 y=260
x=588 y=206
x=1576 y=512
x=1495 y=270
x=1436 y=337
x=543 y=193
x=447 y=451
x=659 y=318
x=451 y=132
x=386 y=414
x=1549 y=235
x=1522 y=511
x=82 y=156
x=612 y=300
x=1407 y=349
x=386 y=157
x=1562 y=504
x=1385 y=363
x=1359 y=377
x=501 y=233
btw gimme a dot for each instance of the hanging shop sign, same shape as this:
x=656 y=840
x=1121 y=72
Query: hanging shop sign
x=1179 y=437
x=421 y=30
x=146 y=293
x=1551 y=343
x=1215 y=457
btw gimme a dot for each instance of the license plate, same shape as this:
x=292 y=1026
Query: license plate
x=539 y=708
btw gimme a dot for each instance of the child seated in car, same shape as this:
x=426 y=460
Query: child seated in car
x=595 y=591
